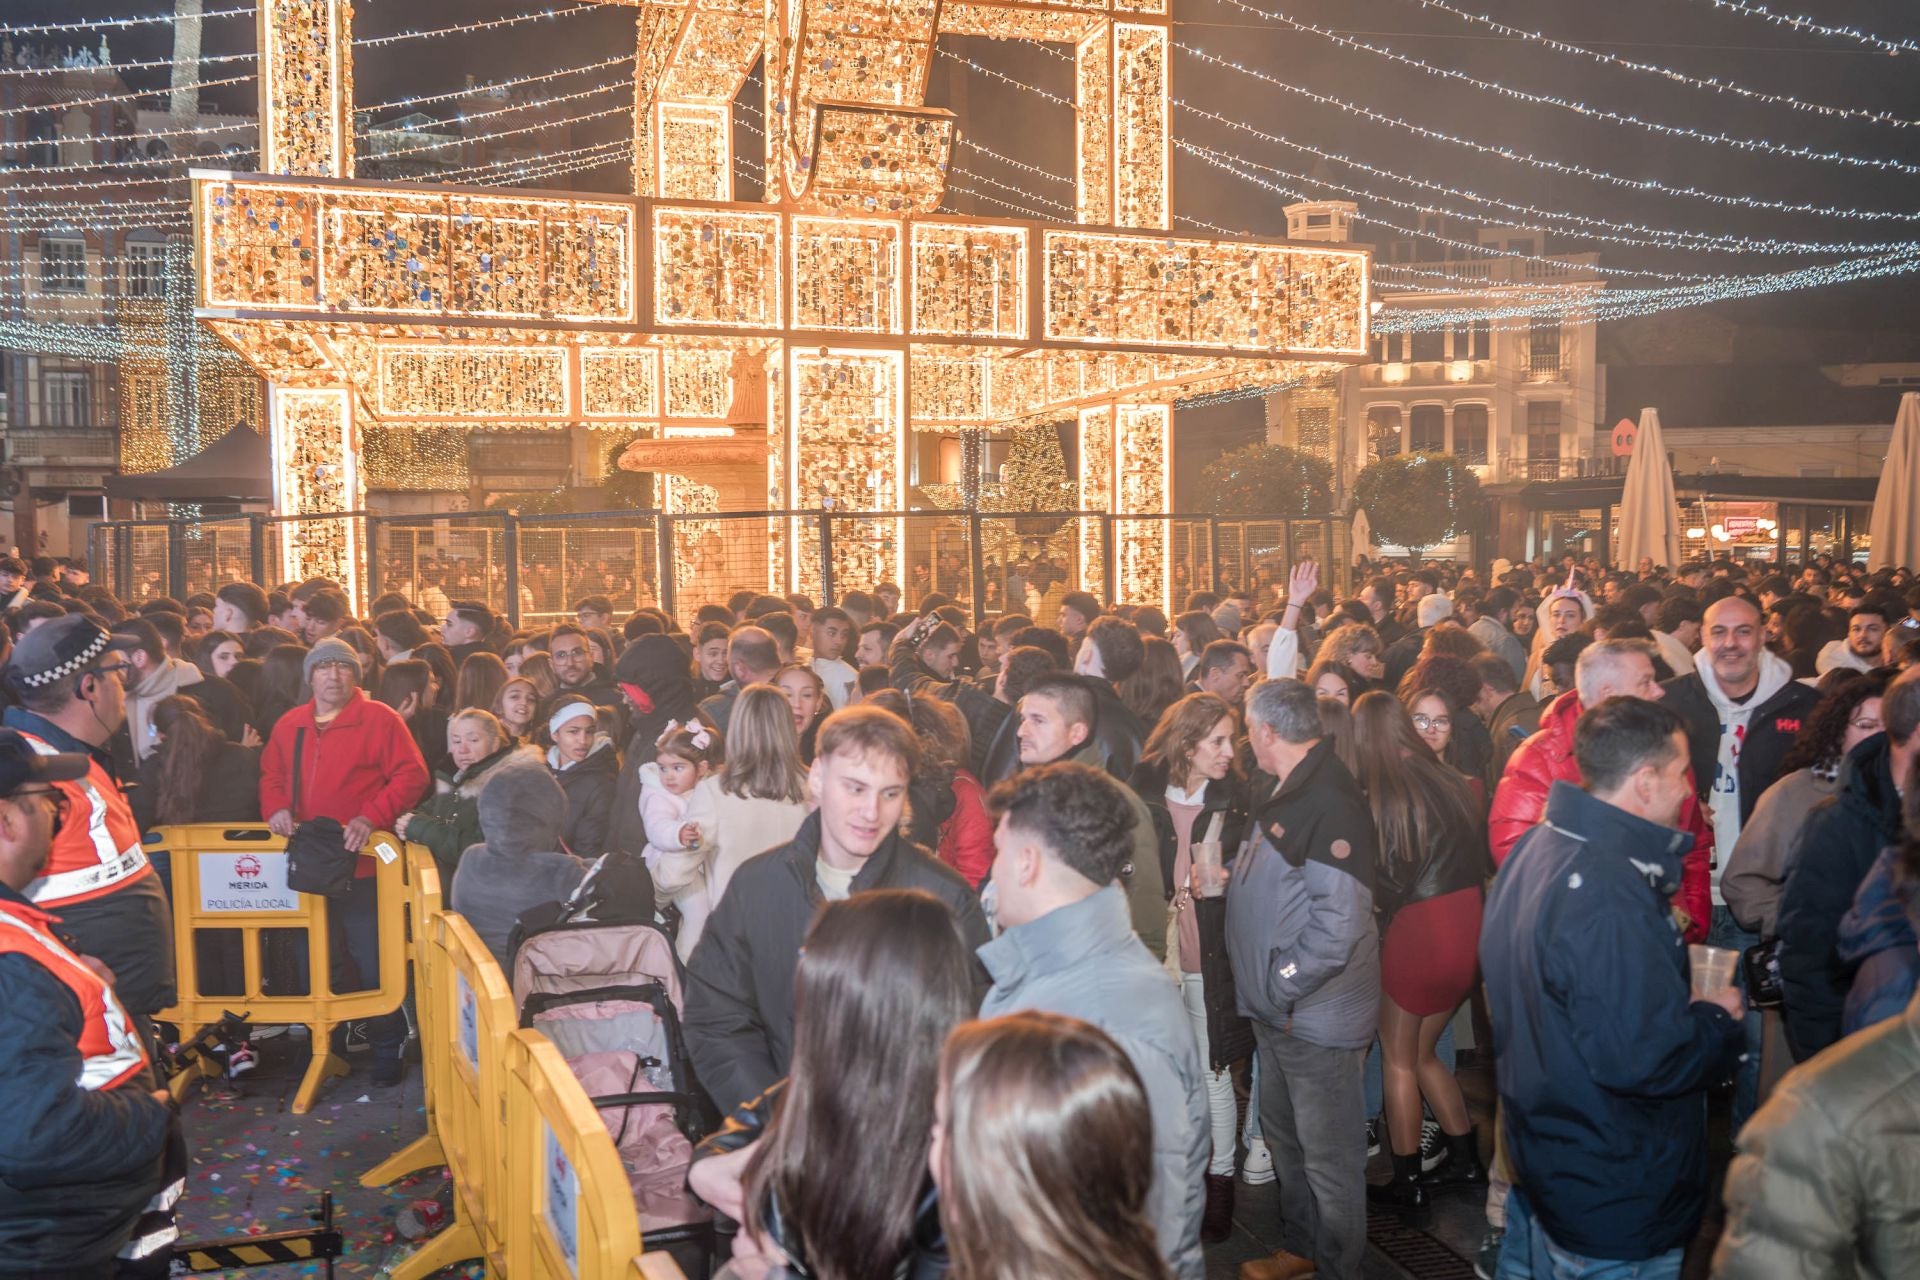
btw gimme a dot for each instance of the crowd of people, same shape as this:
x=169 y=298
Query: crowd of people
x=988 y=926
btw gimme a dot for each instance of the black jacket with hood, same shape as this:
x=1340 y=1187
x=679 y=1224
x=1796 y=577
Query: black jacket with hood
x=660 y=670
x=1837 y=846
x=590 y=787
x=739 y=985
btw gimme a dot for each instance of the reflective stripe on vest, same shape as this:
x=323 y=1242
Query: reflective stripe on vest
x=97 y=848
x=110 y=1052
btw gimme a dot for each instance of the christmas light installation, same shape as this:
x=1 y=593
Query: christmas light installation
x=809 y=332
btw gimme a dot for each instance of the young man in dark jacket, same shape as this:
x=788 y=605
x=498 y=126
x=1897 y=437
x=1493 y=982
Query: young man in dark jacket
x=1602 y=1056
x=1836 y=848
x=739 y=988
x=1306 y=966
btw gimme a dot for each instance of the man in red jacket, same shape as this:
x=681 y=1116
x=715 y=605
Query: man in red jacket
x=346 y=757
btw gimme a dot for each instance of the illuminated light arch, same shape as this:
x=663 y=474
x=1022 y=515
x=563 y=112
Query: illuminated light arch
x=868 y=312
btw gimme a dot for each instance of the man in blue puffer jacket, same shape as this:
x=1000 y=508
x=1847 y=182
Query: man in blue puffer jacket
x=1877 y=938
x=1603 y=1059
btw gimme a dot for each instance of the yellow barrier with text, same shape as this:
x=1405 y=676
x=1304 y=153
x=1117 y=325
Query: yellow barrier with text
x=423 y=906
x=574 y=1215
x=474 y=1010
x=235 y=878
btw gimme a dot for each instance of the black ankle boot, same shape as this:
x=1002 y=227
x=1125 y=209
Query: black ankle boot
x=1462 y=1167
x=1404 y=1194
x=1217 y=1224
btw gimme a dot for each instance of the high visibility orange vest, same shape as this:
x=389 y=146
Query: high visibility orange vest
x=110 y=1051
x=97 y=848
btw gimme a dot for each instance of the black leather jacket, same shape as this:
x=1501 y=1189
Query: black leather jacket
x=926 y=1258
x=1458 y=860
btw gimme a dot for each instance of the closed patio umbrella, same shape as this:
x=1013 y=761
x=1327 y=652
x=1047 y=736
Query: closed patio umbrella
x=1649 y=516
x=1896 y=503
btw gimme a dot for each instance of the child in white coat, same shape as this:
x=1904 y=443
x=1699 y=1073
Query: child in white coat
x=678 y=810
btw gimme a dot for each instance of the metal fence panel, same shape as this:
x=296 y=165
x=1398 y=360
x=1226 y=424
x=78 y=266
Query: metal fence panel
x=563 y=560
x=716 y=556
x=147 y=548
x=424 y=558
x=214 y=553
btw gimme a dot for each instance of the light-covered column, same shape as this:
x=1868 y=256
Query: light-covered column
x=316 y=471
x=306 y=88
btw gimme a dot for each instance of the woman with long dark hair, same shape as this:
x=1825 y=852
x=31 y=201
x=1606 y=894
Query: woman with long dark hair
x=1185 y=778
x=283 y=684
x=1158 y=683
x=1433 y=860
x=828 y=1170
x=478 y=683
x=1043 y=1153
x=406 y=686
x=195 y=774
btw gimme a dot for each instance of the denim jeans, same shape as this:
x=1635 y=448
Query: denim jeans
x=1726 y=932
x=1310 y=1115
x=353 y=921
x=1528 y=1254
x=1376 y=1090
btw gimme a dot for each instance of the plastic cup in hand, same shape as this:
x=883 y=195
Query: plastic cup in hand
x=1209 y=873
x=1713 y=969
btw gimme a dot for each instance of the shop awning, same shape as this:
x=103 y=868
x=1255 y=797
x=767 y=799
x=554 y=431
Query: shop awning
x=235 y=468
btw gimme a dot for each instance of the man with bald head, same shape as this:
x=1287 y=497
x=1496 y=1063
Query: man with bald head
x=1743 y=710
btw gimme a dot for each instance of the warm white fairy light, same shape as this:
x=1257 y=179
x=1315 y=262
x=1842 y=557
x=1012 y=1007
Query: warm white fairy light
x=1761 y=146
x=1799 y=23
x=1712 y=84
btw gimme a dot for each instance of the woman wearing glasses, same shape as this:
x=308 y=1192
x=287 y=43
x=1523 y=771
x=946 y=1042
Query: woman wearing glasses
x=1433 y=861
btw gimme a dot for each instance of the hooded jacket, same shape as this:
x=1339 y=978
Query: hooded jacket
x=1084 y=961
x=1876 y=939
x=739 y=986
x=521 y=864
x=1546 y=758
x=448 y=821
x=1768 y=722
x=1823 y=1182
x=1602 y=1059
x=656 y=666
x=589 y=787
x=1300 y=929
x=1837 y=846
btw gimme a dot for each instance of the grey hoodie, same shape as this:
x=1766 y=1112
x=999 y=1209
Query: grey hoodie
x=522 y=814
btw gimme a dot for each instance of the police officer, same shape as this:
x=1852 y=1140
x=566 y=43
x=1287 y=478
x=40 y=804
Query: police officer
x=97 y=878
x=91 y=1155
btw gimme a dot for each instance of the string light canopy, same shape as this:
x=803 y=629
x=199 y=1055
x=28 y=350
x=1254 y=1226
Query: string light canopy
x=827 y=319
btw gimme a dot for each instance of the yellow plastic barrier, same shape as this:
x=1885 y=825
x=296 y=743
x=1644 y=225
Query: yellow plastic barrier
x=423 y=905
x=228 y=877
x=657 y=1266
x=573 y=1217
x=474 y=1008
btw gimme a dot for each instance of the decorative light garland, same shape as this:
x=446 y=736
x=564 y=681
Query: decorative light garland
x=1712 y=83
x=474 y=90
x=131 y=95
x=102 y=24
x=1655 y=237
x=1798 y=23
x=1758 y=145
x=1516 y=156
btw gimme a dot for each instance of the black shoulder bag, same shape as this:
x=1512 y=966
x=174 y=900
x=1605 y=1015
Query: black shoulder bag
x=317 y=856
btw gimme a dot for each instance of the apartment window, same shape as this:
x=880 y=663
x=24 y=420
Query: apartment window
x=1319 y=219
x=1427 y=429
x=1543 y=429
x=1543 y=348
x=1383 y=430
x=1391 y=348
x=43 y=142
x=1430 y=344
x=1480 y=340
x=1470 y=433
x=63 y=266
x=146 y=270
x=66 y=398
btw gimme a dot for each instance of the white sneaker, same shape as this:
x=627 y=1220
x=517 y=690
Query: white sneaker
x=1258 y=1169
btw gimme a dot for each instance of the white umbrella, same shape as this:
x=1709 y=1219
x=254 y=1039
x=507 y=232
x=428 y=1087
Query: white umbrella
x=1363 y=535
x=1649 y=516
x=1896 y=503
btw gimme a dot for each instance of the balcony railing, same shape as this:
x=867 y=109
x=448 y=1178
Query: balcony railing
x=62 y=446
x=1510 y=468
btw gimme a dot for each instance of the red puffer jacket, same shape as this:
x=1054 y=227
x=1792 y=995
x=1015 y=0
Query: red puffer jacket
x=1547 y=758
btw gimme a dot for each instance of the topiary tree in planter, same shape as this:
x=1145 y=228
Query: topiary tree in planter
x=1267 y=480
x=1418 y=500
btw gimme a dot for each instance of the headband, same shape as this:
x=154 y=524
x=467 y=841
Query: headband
x=568 y=711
